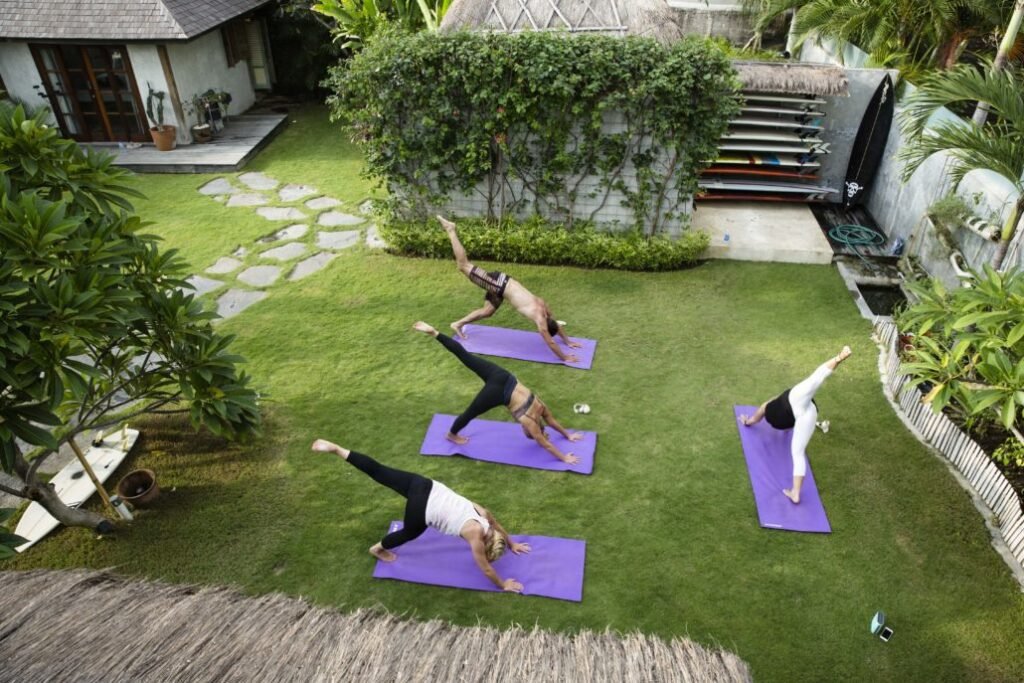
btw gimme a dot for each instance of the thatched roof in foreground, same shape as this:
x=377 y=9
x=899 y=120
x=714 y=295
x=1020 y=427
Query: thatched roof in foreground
x=95 y=626
x=793 y=77
x=650 y=18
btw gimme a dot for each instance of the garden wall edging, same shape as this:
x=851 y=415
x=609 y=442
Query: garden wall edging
x=971 y=466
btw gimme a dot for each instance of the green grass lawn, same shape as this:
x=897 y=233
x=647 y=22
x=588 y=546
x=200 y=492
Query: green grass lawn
x=673 y=542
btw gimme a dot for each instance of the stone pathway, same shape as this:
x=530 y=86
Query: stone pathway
x=250 y=281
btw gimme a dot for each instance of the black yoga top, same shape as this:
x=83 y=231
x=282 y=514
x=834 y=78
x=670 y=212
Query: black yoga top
x=779 y=413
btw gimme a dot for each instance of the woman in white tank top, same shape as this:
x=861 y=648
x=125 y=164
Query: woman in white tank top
x=431 y=503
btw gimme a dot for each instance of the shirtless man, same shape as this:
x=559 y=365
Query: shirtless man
x=499 y=287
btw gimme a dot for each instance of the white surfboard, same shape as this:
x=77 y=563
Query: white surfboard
x=775 y=148
x=73 y=485
x=787 y=124
x=769 y=160
x=789 y=99
x=784 y=111
x=764 y=186
x=771 y=136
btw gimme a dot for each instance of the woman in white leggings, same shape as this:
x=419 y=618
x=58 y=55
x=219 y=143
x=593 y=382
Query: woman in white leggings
x=795 y=409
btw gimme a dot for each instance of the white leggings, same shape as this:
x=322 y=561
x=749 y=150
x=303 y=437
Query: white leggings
x=806 y=414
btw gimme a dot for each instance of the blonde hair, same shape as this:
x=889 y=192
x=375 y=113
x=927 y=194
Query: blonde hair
x=495 y=547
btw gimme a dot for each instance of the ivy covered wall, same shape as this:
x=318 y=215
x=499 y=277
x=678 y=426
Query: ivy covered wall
x=581 y=128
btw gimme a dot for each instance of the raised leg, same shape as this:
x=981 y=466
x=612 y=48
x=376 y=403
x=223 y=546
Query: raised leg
x=461 y=259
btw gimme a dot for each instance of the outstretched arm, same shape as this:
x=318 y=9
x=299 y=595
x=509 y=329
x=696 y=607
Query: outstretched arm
x=550 y=419
x=538 y=435
x=542 y=327
x=480 y=557
x=516 y=548
x=568 y=342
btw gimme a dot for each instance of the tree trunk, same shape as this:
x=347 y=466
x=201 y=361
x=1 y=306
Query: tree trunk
x=1009 y=40
x=1009 y=230
x=45 y=495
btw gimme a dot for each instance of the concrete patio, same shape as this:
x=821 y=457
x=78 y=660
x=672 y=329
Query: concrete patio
x=230 y=149
x=760 y=231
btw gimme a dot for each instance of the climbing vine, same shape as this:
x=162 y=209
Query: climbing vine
x=537 y=123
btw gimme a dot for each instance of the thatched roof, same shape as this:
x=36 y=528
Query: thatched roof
x=793 y=77
x=95 y=626
x=651 y=18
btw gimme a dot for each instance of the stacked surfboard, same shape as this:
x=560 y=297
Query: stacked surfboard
x=771 y=152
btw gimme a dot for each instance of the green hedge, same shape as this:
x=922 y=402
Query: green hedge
x=537 y=123
x=538 y=242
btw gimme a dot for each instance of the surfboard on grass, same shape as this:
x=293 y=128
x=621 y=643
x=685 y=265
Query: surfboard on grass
x=783 y=160
x=758 y=172
x=73 y=485
x=773 y=136
x=869 y=145
x=788 y=99
x=775 y=148
x=783 y=111
x=786 y=124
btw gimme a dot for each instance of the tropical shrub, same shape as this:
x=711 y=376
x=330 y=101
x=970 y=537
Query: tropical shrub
x=356 y=21
x=537 y=122
x=536 y=241
x=967 y=345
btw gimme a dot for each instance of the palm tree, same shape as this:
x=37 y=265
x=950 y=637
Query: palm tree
x=997 y=146
x=1009 y=40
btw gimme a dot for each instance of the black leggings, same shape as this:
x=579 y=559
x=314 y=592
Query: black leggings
x=415 y=488
x=498 y=383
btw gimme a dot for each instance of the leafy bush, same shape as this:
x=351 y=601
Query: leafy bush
x=537 y=123
x=1010 y=453
x=536 y=241
x=968 y=345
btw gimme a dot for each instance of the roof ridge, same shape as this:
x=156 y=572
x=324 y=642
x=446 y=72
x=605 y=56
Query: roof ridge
x=174 y=21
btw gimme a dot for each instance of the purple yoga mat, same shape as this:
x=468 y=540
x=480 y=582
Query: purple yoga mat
x=524 y=345
x=771 y=469
x=552 y=569
x=505 y=443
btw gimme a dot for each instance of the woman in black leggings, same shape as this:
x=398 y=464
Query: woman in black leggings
x=501 y=388
x=431 y=503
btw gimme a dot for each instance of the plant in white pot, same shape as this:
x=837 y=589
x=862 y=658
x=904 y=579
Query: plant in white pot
x=163 y=134
x=201 y=131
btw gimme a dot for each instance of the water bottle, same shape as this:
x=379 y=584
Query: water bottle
x=121 y=508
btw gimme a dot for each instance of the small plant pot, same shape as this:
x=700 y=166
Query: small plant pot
x=138 y=487
x=202 y=133
x=164 y=138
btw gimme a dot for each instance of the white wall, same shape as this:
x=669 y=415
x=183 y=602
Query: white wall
x=148 y=71
x=201 y=64
x=20 y=74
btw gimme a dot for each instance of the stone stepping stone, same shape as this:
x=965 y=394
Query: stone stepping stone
x=240 y=252
x=292 y=193
x=218 y=186
x=335 y=218
x=260 y=276
x=202 y=285
x=311 y=265
x=257 y=181
x=366 y=208
x=220 y=198
x=225 y=264
x=321 y=203
x=373 y=239
x=288 y=252
x=234 y=301
x=280 y=213
x=337 y=240
x=292 y=232
x=247 y=199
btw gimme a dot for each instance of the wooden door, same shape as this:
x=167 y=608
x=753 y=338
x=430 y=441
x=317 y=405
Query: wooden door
x=92 y=92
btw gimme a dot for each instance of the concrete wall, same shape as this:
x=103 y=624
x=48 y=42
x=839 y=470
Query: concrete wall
x=899 y=207
x=21 y=77
x=202 y=64
x=714 y=18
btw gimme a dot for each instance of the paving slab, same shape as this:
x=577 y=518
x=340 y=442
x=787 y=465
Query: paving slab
x=760 y=232
x=280 y=213
x=225 y=264
x=257 y=181
x=202 y=285
x=333 y=219
x=366 y=208
x=337 y=240
x=287 y=252
x=234 y=301
x=240 y=252
x=221 y=186
x=311 y=265
x=247 y=199
x=292 y=192
x=373 y=239
x=321 y=203
x=221 y=198
x=292 y=232
x=260 y=276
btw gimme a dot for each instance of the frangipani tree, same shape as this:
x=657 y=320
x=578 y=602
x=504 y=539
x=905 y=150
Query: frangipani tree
x=997 y=145
x=95 y=326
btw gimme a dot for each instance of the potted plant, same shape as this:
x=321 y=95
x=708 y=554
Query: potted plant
x=163 y=135
x=217 y=102
x=201 y=131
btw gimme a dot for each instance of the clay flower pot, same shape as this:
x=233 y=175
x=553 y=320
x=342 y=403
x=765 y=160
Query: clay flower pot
x=138 y=487
x=164 y=137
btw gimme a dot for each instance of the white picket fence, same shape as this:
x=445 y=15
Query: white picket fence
x=966 y=455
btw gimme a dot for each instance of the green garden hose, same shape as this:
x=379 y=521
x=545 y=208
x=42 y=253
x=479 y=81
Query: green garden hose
x=856 y=236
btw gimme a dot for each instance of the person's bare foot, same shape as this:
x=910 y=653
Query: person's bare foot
x=446 y=224
x=423 y=327
x=458 y=330
x=794 y=497
x=455 y=438
x=382 y=553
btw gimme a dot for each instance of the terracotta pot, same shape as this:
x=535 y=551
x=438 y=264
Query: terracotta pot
x=138 y=487
x=164 y=138
x=201 y=134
